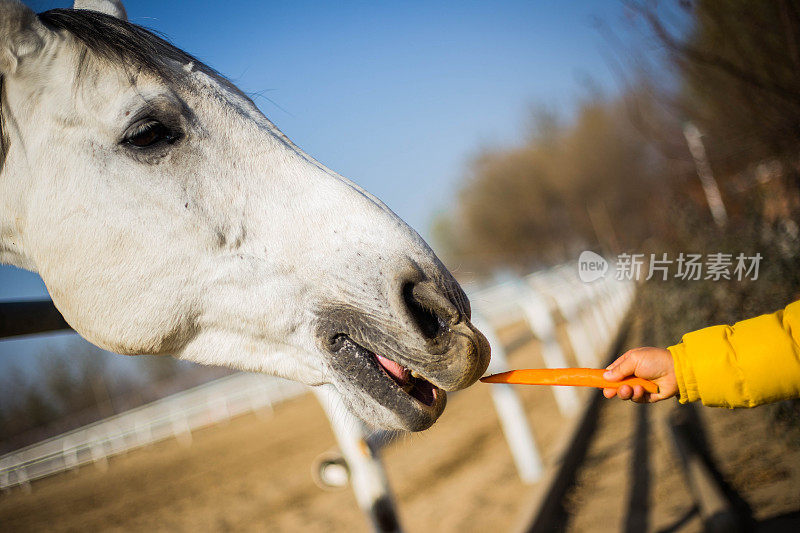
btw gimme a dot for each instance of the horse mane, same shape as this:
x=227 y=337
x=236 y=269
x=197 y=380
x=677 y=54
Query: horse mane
x=116 y=41
x=121 y=42
x=129 y=45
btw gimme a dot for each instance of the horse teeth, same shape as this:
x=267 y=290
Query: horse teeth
x=415 y=375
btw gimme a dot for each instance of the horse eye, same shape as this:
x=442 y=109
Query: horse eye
x=147 y=133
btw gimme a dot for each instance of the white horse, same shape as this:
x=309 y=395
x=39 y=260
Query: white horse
x=167 y=215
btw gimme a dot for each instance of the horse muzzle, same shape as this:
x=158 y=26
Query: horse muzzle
x=408 y=365
x=456 y=353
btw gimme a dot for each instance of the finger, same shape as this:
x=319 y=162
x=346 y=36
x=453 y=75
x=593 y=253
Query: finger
x=618 y=360
x=609 y=393
x=653 y=398
x=625 y=392
x=638 y=393
x=626 y=367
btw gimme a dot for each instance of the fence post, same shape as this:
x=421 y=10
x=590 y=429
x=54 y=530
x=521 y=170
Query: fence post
x=541 y=322
x=144 y=431
x=558 y=290
x=585 y=314
x=261 y=402
x=601 y=326
x=97 y=448
x=180 y=427
x=69 y=455
x=511 y=412
x=367 y=475
x=5 y=470
x=21 y=473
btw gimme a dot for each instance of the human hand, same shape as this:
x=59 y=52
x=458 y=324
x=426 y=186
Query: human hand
x=654 y=364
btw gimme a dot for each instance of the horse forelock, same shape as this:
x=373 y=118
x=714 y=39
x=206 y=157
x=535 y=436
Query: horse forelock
x=120 y=42
x=123 y=44
x=106 y=41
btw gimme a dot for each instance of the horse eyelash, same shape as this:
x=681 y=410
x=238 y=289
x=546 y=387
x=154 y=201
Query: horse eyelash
x=146 y=124
x=143 y=126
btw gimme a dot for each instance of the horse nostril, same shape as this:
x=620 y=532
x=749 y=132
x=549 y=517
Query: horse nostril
x=423 y=310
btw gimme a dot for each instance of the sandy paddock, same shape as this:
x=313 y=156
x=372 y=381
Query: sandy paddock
x=254 y=473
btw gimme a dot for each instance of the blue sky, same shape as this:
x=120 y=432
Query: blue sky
x=395 y=96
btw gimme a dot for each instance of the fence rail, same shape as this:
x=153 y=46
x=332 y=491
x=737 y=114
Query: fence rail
x=591 y=313
x=174 y=416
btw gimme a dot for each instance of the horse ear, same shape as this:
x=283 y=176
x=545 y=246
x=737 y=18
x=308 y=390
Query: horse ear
x=109 y=7
x=21 y=35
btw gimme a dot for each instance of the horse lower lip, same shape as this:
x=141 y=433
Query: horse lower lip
x=408 y=382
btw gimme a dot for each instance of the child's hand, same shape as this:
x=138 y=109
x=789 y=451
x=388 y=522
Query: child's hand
x=654 y=364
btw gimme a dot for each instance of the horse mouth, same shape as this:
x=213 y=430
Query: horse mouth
x=409 y=381
x=413 y=399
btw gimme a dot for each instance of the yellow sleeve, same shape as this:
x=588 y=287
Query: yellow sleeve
x=753 y=362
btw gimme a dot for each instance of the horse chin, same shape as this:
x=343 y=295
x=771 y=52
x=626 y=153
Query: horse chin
x=386 y=394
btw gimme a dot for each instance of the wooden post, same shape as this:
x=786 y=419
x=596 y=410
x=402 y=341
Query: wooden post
x=713 y=197
x=367 y=475
x=541 y=322
x=511 y=412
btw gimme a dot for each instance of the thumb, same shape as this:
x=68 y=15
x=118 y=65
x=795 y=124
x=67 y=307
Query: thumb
x=621 y=368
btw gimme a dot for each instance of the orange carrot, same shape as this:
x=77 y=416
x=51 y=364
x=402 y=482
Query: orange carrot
x=581 y=377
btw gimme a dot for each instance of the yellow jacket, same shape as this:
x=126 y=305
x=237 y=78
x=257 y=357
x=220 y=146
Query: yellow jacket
x=753 y=362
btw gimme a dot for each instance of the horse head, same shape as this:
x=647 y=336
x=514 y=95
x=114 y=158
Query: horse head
x=167 y=215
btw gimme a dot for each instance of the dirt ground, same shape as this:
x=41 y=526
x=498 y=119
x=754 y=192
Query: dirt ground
x=759 y=462
x=632 y=479
x=255 y=474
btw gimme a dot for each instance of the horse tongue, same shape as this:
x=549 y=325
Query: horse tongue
x=398 y=372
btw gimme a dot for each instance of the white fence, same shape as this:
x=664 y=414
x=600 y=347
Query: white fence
x=590 y=312
x=175 y=416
